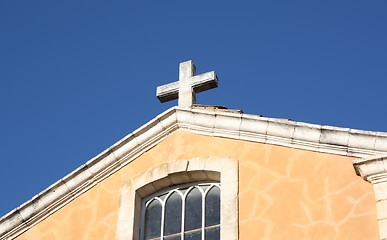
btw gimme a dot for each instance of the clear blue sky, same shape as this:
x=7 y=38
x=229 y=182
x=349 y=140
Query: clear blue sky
x=77 y=76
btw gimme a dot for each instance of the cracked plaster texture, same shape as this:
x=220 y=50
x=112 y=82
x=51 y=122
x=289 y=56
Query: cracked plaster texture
x=284 y=193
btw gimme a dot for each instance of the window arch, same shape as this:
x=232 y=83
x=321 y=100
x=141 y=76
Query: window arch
x=220 y=170
x=188 y=211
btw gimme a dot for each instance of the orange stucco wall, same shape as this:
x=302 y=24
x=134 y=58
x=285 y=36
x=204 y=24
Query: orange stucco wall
x=284 y=193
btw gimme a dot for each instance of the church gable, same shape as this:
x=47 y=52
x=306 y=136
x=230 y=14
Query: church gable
x=277 y=179
x=221 y=125
x=313 y=184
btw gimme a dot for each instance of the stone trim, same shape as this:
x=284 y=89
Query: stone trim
x=379 y=182
x=374 y=170
x=371 y=168
x=214 y=122
x=178 y=172
x=283 y=132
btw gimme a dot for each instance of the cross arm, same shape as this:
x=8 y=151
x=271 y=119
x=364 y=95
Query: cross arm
x=168 y=92
x=205 y=81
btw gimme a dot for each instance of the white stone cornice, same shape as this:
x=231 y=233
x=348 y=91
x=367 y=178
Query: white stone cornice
x=211 y=122
x=378 y=178
x=372 y=168
x=283 y=132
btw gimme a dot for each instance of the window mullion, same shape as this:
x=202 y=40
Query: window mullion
x=203 y=214
x=183 y=217
x=162 y=219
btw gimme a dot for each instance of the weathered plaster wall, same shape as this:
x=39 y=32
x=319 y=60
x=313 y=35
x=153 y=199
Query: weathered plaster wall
x=283 y=193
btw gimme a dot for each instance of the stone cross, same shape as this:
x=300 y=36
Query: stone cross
x=187 y=86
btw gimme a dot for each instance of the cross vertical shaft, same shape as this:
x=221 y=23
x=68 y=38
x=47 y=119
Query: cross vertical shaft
x=187 y=95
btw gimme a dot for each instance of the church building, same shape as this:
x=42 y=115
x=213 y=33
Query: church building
x=199 y=172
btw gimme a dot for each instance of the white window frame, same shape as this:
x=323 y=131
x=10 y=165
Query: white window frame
x=170 y=191
x=222 y=170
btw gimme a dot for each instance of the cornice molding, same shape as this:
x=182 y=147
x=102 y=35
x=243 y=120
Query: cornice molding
x=372 y=169
x=211 y=122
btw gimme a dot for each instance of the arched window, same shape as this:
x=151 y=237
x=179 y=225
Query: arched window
x=221 y=174
x=189 y=212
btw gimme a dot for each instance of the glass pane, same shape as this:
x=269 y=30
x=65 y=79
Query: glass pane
x=153 y=220
x=173 y=237
x=213 y=207
x=193 y=210
x=213 y=233
x=173 y=212
x=193 y=235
